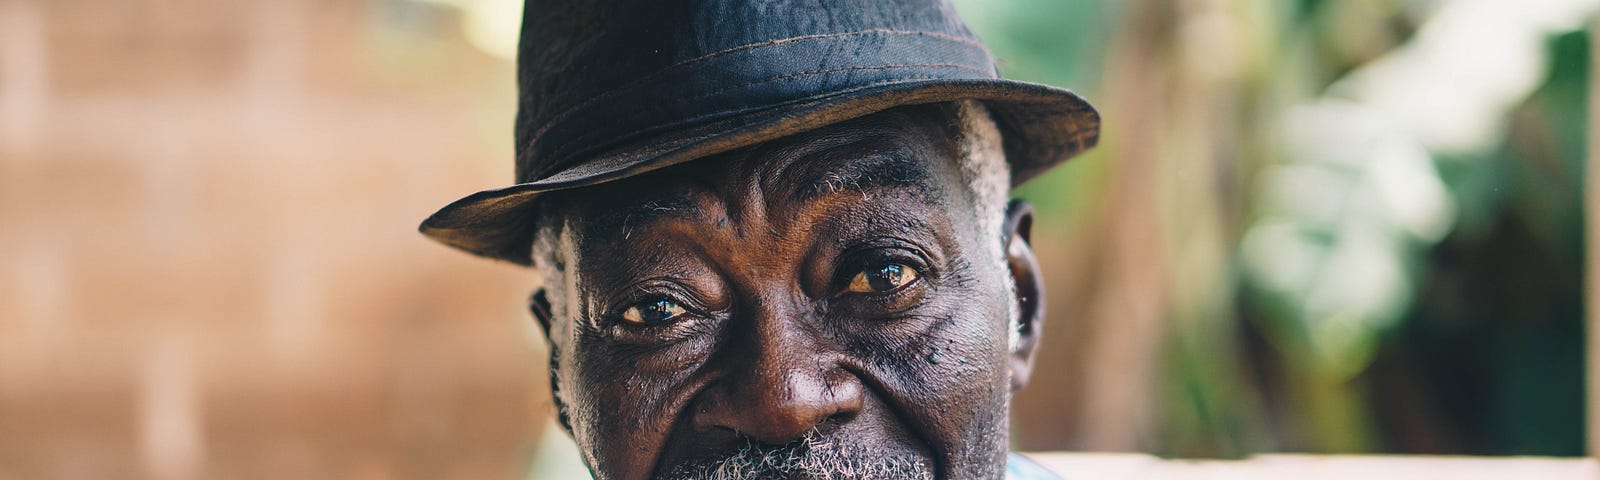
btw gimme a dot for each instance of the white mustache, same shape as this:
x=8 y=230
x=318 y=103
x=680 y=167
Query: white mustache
x=806 y=458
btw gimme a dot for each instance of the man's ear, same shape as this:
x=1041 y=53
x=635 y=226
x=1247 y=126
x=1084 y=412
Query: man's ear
x=539 y=305
x=1029 y=292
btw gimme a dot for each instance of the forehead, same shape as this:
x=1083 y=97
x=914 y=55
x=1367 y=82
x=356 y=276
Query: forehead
x=905 y=157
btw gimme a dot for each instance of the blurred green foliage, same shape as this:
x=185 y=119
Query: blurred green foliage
x=1349 y=268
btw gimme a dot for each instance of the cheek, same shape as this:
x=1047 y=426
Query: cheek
x=601 y=415
x=951 y=375
x=623 y=402
x=974 y=330
x=957 y=360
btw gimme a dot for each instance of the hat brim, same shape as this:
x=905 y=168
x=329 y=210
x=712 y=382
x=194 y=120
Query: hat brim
x=1042 y=126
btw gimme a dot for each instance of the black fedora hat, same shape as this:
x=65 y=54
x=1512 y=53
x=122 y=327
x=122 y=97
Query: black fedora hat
x=613 y=88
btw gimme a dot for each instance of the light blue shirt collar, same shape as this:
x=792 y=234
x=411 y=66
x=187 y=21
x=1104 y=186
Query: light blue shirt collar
x=1019 y=467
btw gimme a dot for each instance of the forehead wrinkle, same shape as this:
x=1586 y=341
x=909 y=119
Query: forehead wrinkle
x=876 y=170
x=867 y=155
x=775 y=161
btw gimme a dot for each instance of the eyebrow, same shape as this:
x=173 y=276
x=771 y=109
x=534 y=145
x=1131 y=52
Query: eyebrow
x=864 y=173
x=659 y=208
x=880 y=170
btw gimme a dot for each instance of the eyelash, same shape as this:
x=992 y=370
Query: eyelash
x=646 y=294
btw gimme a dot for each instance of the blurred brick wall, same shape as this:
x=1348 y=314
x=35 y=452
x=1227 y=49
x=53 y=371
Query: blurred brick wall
x=208 y=262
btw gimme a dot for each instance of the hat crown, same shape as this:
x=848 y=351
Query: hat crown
x=615 y=88
x=598 y=73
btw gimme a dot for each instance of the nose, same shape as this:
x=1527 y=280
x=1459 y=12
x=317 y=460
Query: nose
x=778 y=387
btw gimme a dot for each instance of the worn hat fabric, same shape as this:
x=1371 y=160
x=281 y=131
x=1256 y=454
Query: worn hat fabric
x=610 y=89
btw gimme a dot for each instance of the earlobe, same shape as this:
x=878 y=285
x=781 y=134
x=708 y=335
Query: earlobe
x=1029 y=293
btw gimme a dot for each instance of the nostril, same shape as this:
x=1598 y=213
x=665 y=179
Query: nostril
x=775 y=401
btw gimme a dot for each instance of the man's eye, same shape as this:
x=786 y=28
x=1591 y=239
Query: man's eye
x=653 y=312
x=883 y=278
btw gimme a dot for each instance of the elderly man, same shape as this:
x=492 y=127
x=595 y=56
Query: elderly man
x=774 y=237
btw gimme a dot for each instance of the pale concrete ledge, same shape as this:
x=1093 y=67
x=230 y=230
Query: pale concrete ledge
x=1135 y=466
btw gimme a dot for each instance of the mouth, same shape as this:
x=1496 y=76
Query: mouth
x=810 y=457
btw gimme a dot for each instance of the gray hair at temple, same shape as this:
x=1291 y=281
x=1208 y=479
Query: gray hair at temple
x=984 y=168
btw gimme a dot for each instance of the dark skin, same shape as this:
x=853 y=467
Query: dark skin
x=829 y=285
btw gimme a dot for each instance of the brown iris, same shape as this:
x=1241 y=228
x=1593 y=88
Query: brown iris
x=653 y=312
x=882 y=279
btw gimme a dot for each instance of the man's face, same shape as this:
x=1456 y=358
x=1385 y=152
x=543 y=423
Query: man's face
x=822 y=304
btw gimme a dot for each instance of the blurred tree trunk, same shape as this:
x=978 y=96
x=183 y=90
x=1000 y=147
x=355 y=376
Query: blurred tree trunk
x=1123 y=324
x=1147 y=304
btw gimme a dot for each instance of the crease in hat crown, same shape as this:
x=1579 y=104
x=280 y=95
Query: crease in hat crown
x=614 y=88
